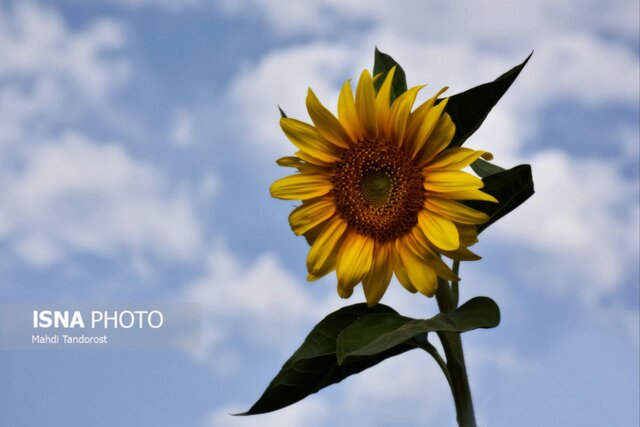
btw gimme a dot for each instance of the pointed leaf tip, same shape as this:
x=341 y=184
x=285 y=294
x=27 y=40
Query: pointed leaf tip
x=314 y=365
x=468 y=109
x=382 y=64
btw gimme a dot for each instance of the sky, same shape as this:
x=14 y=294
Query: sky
x=138 y=141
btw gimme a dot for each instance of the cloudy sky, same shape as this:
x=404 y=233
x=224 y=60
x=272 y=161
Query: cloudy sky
x=137 y=145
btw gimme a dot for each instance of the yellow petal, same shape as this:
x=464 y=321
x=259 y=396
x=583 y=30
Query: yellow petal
x=296 y=162
x=468 y=236
x=417 y=118
x=326 y=123
x=311 y=235
x=446 y=181
x=289 y=161
x=421 y=275
x=301 y=186
x=366 y=106
x=439 y=230
x=401 y=272
x=456 y=211
x=438 y=140
x=465 y=195
x=457 y=158
x=418 y=115
x=310 y=214
x=347 y=112
x=462 y=254
x=324 y=251
x=343 y=291
x=396 y=124
x=376 y=282
x=426 y=128
x=313 y=160
x=354 y=261
x=418 y=242
x=383 y=98
x=307 y=139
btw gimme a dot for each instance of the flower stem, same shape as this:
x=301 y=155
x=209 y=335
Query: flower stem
x=454 y=284
x=452 y=345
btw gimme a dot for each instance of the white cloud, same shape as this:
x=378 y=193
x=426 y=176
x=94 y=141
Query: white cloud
x=71 y=194
x=281 y=78
x=582 y=67
x=37 y=250
x=507 y=360
x=582 y=222
x=51 y=74
x=63 y=192
x=628 y=137
x=260 y=302
x=167 y=5
x=208 y=188
x=444 y=20
x=181 y=131
x=35 y=42
x=408 y=389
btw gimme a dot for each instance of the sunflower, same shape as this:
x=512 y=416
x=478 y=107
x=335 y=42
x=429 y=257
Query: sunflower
x=380 y=190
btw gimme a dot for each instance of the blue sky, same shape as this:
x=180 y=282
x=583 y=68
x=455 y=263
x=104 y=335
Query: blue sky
x=137 y=145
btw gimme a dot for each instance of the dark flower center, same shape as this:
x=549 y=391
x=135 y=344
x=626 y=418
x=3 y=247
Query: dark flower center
x=378 y=190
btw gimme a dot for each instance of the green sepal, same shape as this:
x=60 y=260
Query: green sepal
x=468 y=109
x=382 y=64
x=483 y=168
x=378 y=333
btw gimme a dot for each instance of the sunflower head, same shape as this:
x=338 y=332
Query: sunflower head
x=380 y=190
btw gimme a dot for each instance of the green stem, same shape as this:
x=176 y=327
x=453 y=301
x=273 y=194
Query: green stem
x=452 y=344
x=454 y=284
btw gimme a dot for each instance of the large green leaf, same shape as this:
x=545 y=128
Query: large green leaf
x=378 y=333
x=468 y=109
x=315 y=366
x=382 y=64
x=511 y=187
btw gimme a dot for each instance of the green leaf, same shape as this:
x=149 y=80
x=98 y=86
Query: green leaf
x=469 y=109
x=511 y=187
x=382 y=64
x=314 y=365
x=484 y=168
x=381 y=332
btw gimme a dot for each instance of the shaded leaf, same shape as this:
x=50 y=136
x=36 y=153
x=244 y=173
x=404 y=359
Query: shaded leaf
x=381 y=332
x=314 y=365
x=483 y=168
x=511 y=187
x=469 y=108
x=382 y=64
